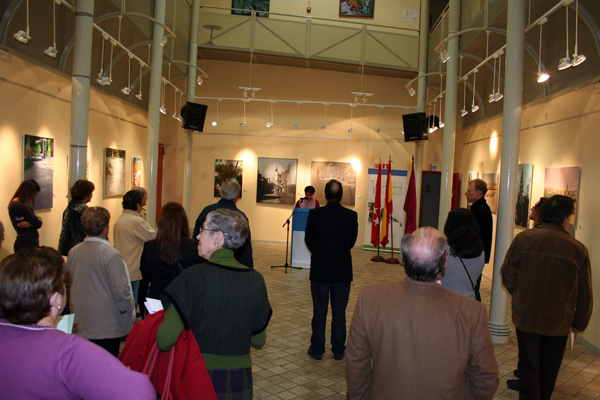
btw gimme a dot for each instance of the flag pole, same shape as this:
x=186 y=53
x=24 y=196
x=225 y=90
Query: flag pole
x=391 y=259
x=378 y=257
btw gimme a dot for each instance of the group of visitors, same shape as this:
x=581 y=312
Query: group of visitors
x=209 y=287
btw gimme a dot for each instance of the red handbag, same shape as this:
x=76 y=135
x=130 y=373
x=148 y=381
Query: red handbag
x=178 y=374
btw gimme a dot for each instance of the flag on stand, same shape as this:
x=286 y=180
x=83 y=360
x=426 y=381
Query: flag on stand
x=388 y=206
x=410 y=203
x=375 y=221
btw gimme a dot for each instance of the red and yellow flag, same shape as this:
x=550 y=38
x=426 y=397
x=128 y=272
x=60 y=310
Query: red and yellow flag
x=375 y=221
x=388 y=206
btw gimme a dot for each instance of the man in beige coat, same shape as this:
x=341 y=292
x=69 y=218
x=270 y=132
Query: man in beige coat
x=416 y=340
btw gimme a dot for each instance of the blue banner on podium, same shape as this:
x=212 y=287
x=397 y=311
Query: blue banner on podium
x=300 y=256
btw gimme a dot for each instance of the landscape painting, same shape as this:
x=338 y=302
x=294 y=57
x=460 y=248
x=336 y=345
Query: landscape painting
x=563 y=181
x=227 y=169
x=276 y=181
x=38 y=164
x=322 y=172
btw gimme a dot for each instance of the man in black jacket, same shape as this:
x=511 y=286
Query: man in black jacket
x=331 y=232
x=475 y=194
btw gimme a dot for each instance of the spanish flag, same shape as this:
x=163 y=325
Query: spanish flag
x=388 y=206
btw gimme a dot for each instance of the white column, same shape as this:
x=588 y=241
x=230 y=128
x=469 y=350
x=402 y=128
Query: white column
x=153 y=108
x=507 y=190
x=80 y=92
x=450 y=113
x=191 y=96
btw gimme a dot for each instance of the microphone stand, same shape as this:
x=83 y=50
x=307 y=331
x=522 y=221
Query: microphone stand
x=287 y=242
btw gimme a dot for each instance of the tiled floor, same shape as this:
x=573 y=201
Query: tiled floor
x=283 y=370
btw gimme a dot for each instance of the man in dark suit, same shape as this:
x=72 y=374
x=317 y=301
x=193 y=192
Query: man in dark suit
x=414 y=339
x=230 y=194
x=331 y=232
x=475 y=195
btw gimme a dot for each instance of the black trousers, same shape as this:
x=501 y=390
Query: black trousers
x=110 y=345
x=540 y=358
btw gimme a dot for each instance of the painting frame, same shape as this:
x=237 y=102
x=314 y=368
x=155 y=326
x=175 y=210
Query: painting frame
x=276 y=180
x=227 y=169
x=564 y=181
x=524 y=193
x=114 y=172
x=38 y=164
x=136 y=171
x=349 y=9
x=322 y=172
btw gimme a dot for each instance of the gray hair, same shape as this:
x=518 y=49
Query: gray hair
x=230 y=189
x=424 y=254
x=233 y=225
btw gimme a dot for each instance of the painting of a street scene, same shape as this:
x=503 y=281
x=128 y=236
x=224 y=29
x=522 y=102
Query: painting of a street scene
x=114 y=172
x=564 y=181
x=227 y=169
x=38 y=164
x=276 y=181
x=322 y=172
x=525 y=181
x=491 y=196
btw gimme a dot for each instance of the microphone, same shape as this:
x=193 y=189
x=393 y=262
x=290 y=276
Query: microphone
x=303 y=199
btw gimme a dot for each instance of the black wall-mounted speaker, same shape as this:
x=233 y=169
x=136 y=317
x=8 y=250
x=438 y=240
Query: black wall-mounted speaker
x=193 y=116
x=415 y=127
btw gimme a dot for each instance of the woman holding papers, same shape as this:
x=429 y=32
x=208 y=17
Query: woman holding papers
x=223 y=302
x=41 y=362
x=168 y=254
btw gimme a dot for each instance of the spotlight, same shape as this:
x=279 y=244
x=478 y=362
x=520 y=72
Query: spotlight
x=578 y=59
x=163 y=110
x=564 y=63
x=442 y=124
x=214 y=123
x=474 y=108
x=22 y=37
x=492 y=98
x=269 y=124
x=165 y=40
x=377 y=130
x=463 y=112
x=443 y=55
x=139 y=96
x=242 y=124
x=498 y=96
x=350 y=130
x=411 y=91
x=323 y=127
x=51 y=52
x=296 y=126
x=126 y=90
x=200 y=80
x=542 y=77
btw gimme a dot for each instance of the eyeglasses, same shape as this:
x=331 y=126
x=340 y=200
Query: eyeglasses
x=213 y=230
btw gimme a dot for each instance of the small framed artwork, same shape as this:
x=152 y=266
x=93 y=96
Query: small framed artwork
x=276 y=180
x=38 y=164
x=225 y=170
x=136 y=171
x=114 y=172
x=357 y=8
x=525 y=182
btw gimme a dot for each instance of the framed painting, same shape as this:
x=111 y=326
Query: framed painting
x=357 y=8
x=276 y=181
x=136 y=171
x=227 y=169
x=260 y=6
x=491 y=196
x=564 y=181
x=322 y=172
x=38 y=164
x=114 y=172
x=524 y=180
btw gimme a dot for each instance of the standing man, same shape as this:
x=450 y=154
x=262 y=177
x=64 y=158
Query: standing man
x=131 y=231
x=548 y=274
x=331 y=232
x=230 y=194
x=475 y=195
x=144 y=193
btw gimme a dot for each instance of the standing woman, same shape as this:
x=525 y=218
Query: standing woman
x=165 y=257
x=72 y=231
x=22 y=217
x=223 y=302
x=466 y=259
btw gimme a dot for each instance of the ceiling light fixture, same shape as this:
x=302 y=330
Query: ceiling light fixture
x=492 y=96
x=174 y=104
x=443 y=55
x=162 y=107
x=23 y=36
x=378 y=119
x=351 y=129
x=165 y=40
x=325 y=116
x=270 y=123
x=474 y=107
x=51 y=51
x=297 y=125
x=100 y=78
x=216 y=122
x=441 y=123
x=542 y=76
x=577 y=58
x=139 y=95
x=464 y=111
x=498 y=96
x=565 y=62
x=243 y=123
x=127 y=89
x=411 y=90
x=200 y=79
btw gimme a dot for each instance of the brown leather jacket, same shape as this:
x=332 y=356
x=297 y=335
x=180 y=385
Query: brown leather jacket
x=548 y=274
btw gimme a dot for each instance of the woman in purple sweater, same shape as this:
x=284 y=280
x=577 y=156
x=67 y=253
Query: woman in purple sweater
x=41 y=362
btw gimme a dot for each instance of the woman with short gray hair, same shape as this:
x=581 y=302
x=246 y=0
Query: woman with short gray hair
x=223 y=302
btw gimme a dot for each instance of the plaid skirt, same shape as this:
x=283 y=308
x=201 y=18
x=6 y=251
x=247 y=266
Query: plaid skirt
x=232 y=384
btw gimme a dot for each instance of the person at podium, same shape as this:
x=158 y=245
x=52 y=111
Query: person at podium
x=308 y=201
